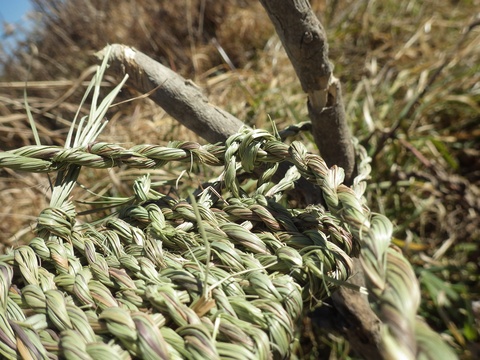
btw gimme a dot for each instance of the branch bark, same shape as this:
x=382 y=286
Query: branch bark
x=305 y=42
x=180 y=98
x=350 y=315
x=185 y=102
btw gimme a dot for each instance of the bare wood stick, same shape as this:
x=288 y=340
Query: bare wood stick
x=352 y=319
x=184 y=101
x=179 y=97
x=305 y=42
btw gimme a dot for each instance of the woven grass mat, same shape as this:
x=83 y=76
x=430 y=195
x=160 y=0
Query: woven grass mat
x=220 y=277
x=225 y=273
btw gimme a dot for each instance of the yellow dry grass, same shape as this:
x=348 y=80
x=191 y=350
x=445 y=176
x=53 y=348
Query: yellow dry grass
x=411 y=78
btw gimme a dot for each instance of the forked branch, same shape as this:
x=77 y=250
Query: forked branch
x=305 y=42
x=179 y=97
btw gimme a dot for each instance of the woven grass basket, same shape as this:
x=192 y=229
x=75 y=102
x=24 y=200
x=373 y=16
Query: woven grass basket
x=223 y=274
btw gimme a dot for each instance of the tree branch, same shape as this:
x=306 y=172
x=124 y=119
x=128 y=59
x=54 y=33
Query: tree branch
x=179 y=97
x=352 y=317
x=305 y=42
x=185 y=102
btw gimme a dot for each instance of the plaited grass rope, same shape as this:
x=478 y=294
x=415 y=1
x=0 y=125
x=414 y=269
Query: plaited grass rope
x=119 y=269
x=141 y=284
x=145 y=259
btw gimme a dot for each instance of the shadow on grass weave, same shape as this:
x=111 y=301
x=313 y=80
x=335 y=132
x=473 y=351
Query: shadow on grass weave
x=146 y=283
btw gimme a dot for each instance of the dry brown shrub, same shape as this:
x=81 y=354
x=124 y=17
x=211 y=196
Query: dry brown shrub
x=383 y=51
x=188 y=36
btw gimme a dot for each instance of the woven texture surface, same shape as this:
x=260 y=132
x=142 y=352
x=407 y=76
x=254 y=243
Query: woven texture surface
x=227 y=275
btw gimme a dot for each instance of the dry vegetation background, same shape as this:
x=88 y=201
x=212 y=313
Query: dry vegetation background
x=411 y=75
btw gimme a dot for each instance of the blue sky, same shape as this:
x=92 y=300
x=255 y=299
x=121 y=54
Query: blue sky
x=13 y=11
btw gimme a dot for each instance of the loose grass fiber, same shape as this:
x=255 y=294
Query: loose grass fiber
x=224 y=274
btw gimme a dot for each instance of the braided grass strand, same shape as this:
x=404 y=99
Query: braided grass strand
x=90 y=285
